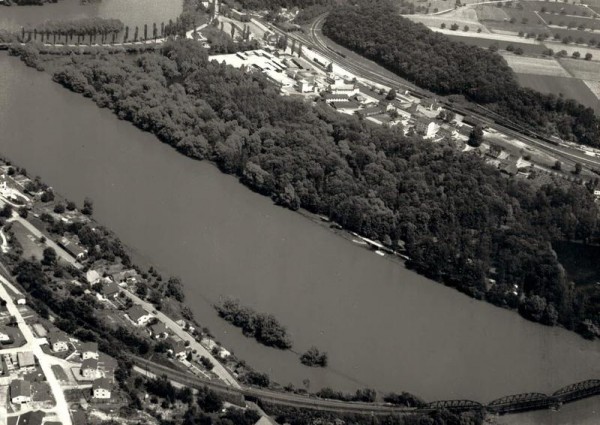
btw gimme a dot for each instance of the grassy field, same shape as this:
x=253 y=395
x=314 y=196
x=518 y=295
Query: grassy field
x=528 y=49
x=594 y=87
x=538 y=66
x=31 y=246
x=571 y=88
x=585 y=70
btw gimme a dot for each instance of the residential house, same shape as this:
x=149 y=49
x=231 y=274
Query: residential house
x=110 y=290
x=89 y=350
x=20 y=391
x=138 y=315
x=73 y=248
x=101 y=388
x=89 y=369
x=178 y=347
x=159 y=330
x=58 y=341
x=26 y=360
x=125 y=276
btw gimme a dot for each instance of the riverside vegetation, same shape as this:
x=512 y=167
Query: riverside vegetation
x=460 y=221
x=263 y=327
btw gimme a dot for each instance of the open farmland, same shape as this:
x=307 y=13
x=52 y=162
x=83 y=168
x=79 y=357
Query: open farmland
x=572 y=48
x=585 y=70
x=594 y=87
x=476 y=40
x=460 y=17
x=529 y=65
x=557 y=8
x=571 y=88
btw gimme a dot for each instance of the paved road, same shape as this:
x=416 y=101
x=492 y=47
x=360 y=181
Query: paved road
x=49 y=242
x=218 y=369
x=62 y=408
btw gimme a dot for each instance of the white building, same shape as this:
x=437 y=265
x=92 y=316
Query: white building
x=101 y=389
x=89 y=369
x=89 y=350
x=58 y=342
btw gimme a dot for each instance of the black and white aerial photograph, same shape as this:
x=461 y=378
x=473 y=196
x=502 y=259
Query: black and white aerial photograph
x=299 y=212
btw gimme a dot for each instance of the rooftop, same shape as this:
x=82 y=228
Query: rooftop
x=137 y=312
x=55 y=337
x=20 y=387
x=89 y=364
x=26 y=359
x=102 y=383
x=89 y=346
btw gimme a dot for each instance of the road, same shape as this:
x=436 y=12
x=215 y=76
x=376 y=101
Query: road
x=371 y=72
x=49 y=242
x=218 y=368
x=62 y=408
x=275 y=397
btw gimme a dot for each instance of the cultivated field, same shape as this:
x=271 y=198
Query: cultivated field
x=570 y=49
x=585 y=70
x=529 y=48
x=529 y=65
x=571 y=88
x=594 y=87
x=460 y=17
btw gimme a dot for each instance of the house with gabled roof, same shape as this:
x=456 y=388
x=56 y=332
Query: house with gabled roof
x=101 y=388
x=58 y=341
x=20 y=391
x=138 y=315
x=89 y=350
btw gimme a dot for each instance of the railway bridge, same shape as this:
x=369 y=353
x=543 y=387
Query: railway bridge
x=577 y=391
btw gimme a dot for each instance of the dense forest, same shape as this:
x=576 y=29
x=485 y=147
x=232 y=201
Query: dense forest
x=460 y=221
x=375 y=29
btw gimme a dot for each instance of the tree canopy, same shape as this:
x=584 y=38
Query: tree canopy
x=434 y=62
x=460 y=221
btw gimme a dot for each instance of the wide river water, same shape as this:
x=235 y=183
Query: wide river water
x=131 y=12
x=383 y=326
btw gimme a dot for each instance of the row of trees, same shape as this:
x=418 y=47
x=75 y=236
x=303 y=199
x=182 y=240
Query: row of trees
x=432 y=61
x=460 y=221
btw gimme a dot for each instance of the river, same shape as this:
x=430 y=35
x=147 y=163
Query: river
x=382 y=325
x=131 y=12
